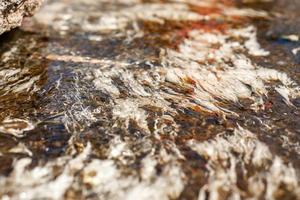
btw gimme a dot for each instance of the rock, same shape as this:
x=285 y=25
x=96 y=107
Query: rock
x=12 y=12
x=135 y=99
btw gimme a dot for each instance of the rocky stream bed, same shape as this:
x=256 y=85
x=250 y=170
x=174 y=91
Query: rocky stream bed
x=150 y=99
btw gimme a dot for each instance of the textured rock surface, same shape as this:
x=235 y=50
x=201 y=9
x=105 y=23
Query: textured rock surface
x=133 y=99
x=12 y=12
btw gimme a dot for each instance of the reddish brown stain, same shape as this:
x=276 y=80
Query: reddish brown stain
x=206 y=10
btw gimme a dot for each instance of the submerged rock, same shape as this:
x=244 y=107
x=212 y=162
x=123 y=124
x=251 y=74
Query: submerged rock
x=12 y=12
x=136 y=99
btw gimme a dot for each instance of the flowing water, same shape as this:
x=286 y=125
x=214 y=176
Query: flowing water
x=133 y=99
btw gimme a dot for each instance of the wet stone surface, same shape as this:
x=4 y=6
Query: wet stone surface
x=136 y=99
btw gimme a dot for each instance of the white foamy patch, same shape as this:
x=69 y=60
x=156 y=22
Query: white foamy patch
x=108 y=181
x=39 y=183
x=54 y=14
x=103 y=81
x=129 y=109
x=228 y=154
x=168 y=185
x=251 y=42
x=60 y=18
x=212 y=66
x=103 y=177
x=119 y=150
x=295 y=51
x=230 y=75
x=246 y=12
x=150 y=12
x=293 y=38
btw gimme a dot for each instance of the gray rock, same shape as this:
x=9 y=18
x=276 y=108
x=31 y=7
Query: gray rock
x=12 y=12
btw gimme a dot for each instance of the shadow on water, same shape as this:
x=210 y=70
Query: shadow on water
x=25 y=76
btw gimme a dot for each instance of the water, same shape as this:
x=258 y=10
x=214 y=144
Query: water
x=153 y=99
